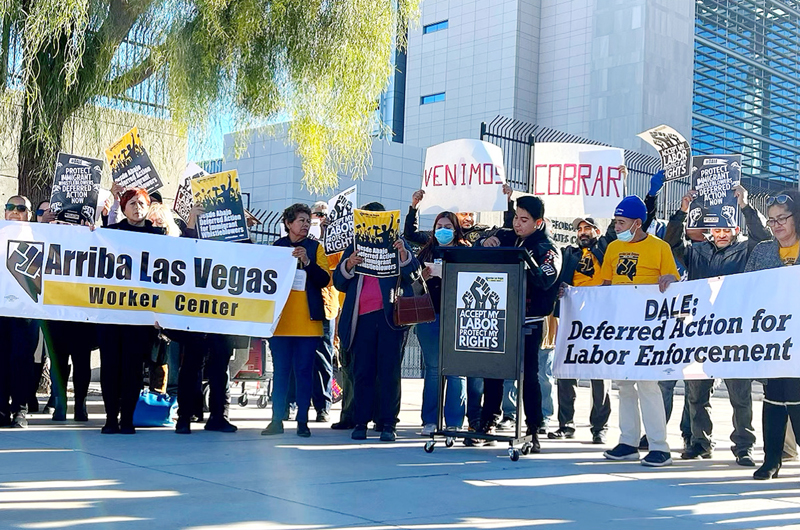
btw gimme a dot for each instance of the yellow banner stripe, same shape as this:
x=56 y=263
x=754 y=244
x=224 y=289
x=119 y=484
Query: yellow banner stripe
x=158 y=301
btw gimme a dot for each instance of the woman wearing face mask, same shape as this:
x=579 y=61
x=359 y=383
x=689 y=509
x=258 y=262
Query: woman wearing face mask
x=123 y=348
x=447 y=232
x=529 y=233
x=782 y=395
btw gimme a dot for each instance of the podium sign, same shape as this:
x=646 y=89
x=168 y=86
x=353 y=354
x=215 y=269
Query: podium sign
x=482 y=312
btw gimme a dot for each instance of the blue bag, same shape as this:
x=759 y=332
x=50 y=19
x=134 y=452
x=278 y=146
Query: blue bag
x=154 y=410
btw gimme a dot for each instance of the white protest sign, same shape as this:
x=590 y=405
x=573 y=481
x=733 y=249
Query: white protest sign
x=578 y=179
x=674 y=150
x=463 y=176
x=184 y=200
x=713 y=328
x=58 y=272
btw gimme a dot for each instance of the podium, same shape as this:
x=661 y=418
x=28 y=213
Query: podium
x=481 y=327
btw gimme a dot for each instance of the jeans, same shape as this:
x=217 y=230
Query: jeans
x=67 y=340
x=546 y=383
x=601 y=405
x=290 y=353
x=647 y=394
x=474 y=401
x=455 y=398
x=510 y=399
x=323 y=369
x=667 y=395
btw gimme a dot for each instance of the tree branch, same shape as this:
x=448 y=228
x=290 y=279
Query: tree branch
x=132 y=77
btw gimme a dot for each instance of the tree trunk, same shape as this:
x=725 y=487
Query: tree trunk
x=37 y=160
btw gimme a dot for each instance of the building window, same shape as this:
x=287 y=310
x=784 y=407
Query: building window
x=433 y=28
x=432 y=98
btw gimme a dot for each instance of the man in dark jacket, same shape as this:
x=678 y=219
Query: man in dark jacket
x=530 y=233
x=724 y=253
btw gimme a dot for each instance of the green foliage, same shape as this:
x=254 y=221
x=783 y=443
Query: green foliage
x=322 y=63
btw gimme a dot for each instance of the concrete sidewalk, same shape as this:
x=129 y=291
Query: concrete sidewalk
x=71 y=476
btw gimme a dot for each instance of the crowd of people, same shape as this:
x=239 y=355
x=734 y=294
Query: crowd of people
x=336 y=316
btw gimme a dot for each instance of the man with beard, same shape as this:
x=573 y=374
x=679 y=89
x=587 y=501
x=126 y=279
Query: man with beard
x=580 y=266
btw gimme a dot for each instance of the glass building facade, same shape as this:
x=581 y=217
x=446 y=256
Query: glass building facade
x=747 y=85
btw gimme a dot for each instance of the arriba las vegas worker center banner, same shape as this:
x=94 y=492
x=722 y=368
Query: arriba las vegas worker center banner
x=59 y=272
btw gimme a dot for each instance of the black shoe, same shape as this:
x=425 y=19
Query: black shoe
x=697 y=451
x=323 y=416
x=274 y=427
x=302 y=430
x=183 y=426
x=657 y=459
x=378 y=427
x=745 y=459
x=507 y=424
x=19 y=421
x=767 y=471
x=60 y=414
x=622 y=452
x=111 y=426
x=644 y=445
x=473 y=442
x=33 y=406
x=220 y=425
x=536 y=447
x=80 y=414
x=599 y=438
x=127 y=428
x=561 y=434
x=343 y=426
x=359 y=432
x=388 y=435
x=541 y=430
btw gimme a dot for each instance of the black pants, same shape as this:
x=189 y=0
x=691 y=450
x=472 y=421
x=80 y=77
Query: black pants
x=377 y=356
x=777 y=394
x=123 y=350
x=531 y=391
x=19 y=337
x=214 y=352
x=70 y=340
x=601 y=405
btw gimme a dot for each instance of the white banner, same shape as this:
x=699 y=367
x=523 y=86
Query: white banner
x=578 y=179
x=463 y=176
x=57 y=272
x=738 y=326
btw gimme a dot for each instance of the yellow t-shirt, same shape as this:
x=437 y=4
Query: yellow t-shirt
x=588 y=271
x=789 y=254
x=296 y=319
x=639 y=263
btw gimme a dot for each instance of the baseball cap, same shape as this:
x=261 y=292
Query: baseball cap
x=588 y=220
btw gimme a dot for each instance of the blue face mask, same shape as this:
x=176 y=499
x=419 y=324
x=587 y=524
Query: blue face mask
x=444 y=235
x=627 y=235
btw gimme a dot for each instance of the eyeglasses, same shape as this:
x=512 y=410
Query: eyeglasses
x=319 y=214
x=779 y=221
x=18 y=207
x=779 y=199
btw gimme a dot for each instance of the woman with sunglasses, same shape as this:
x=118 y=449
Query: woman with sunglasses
x=781 y=395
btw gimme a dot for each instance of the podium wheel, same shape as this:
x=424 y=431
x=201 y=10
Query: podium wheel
x=513 y=453
x=262 y=401
x=448 y=442
x=526 y=448
x=243 y=399
x=429 y=446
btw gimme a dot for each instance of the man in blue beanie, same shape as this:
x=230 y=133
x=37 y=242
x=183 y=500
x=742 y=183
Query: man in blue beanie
x=637 y=258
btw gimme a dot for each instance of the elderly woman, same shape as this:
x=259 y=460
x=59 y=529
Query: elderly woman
x=294 y=343
x=123 y=348
x=781 y=395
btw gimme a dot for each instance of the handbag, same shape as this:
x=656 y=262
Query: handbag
x=416 y=309
x=154 y=410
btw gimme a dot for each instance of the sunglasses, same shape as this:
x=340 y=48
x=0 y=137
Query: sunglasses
x=18 y=207
x=779 y=199
x=40 y=212
x=319 y=214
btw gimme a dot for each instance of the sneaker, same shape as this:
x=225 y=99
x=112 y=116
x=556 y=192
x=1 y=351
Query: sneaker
x=644 y=445
x=473 y=442
x=303 y=431
x=220 y=425
x=697 y=451
x=507 y=424
x=388 y=435
x=274 y=427
x=745 y=459
x=428 y=429
x=491 y=431
x=657 y=459
x=19 y=421
x=536 y=447
x=323 y=416
x=183 y=426
x=291 y=414
x=561 y=434
x=343 y=425
x=359 y=432
x=599 y=438
x=622 y=452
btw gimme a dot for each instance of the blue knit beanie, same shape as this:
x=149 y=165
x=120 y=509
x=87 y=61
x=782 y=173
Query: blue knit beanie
x=631 y=207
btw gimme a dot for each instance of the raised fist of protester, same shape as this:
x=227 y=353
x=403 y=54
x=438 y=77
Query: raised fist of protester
x=301 y=254
x=507 y=191
x=117 y=190
x=665 y=281
x=416 y=197
x=656 y=183
x=401 y=247
x=352 y=261
x=623 y=170
x=687 y=199
x=741 y=195
x=491 y=242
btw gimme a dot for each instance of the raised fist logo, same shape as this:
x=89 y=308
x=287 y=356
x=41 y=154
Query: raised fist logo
x=695 y=214
x=494 y=299
x=24 y=262
x=728 y=212
x=627 y=266
x=480 y=295
x=469 y=300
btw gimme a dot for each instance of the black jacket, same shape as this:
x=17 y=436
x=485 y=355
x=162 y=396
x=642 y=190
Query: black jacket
x=317 y=279
x=148 y=227
x=704 y=259
x=542 y=285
